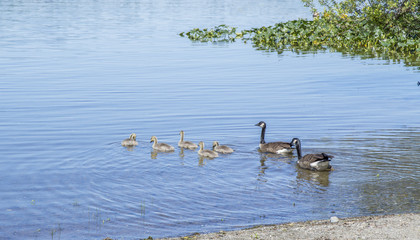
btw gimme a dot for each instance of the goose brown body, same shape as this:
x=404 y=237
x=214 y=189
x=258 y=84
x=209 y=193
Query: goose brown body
x=276 y=147
x=273 y=147
x=221 y=148
x=314 y=161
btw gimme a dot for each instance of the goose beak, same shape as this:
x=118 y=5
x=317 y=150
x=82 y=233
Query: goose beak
x=257 y=124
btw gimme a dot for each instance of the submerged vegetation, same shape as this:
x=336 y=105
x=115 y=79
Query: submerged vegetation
x=388 y=29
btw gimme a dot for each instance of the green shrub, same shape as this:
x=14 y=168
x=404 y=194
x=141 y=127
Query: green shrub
x=387 y=29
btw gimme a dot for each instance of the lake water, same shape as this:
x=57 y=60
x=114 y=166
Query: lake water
x=77 y=77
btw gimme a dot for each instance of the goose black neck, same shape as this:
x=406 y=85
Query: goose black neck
x=299 y=150
x=262 y=135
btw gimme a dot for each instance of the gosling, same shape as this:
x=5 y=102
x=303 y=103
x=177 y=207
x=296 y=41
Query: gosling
x=221 y=148
x=131 y=141
x=186 y=144
x=205 y=152
x=162 y=147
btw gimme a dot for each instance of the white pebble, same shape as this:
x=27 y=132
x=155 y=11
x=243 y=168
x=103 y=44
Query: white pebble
x=334 y=219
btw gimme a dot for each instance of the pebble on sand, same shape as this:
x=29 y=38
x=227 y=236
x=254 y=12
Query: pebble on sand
x=334 y=219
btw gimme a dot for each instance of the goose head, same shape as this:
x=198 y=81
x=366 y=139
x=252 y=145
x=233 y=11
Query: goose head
x=261 y=124
x=295 y=142
x=133 y=137
x=201 y=144
x=153 y=139
x=215 y=144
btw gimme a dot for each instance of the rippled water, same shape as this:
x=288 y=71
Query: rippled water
x=77 y=77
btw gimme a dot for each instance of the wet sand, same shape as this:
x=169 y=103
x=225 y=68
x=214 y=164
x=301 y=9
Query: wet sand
x=402 y=226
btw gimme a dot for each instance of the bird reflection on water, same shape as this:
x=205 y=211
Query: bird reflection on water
x=154 y=153
x=264 y=157
x=313 y=177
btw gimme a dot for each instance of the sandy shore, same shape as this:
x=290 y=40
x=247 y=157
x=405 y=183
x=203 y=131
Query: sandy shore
x=403 y=226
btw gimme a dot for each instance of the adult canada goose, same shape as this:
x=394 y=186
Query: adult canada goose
x=316 y=162
x=273 y=147
x=205 y=152
x=131 y=141
x=162 y=147
x=186 y=144
x=221 y=148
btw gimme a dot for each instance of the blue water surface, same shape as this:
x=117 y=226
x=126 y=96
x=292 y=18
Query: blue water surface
x=78 y=77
